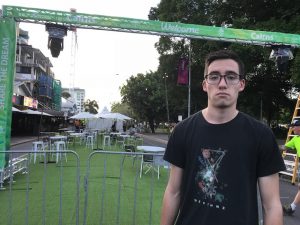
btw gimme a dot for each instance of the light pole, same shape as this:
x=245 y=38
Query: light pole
x=167 y=102
x=261 y=106
x=189 y=94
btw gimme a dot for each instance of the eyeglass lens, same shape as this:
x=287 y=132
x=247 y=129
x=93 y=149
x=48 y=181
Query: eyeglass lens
x=229 y=78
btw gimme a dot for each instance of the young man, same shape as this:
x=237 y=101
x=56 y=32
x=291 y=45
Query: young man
x=294 y=143
x=244 y=153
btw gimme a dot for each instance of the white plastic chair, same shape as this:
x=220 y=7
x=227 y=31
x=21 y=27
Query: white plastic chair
x=152 y=162
x=106 y=141
x=90 y=141
x=60 y=146
x=37 y=146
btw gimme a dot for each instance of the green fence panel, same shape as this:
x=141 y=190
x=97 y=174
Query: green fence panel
x=7 y=71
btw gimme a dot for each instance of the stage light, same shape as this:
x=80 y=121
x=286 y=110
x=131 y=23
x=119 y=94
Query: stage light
x=56 y=38
x=281 y=55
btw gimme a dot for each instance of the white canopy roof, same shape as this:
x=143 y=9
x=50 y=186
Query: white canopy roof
x=117 y=116
x=32 y=112
x=14 y=109
x=83 y=115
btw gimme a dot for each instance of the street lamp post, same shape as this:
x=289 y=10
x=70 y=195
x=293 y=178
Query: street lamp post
x=167 y=102
x=189 y=91
x=261 y=105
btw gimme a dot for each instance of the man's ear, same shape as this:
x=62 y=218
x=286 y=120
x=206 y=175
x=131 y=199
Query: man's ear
x=204 y=88
x=242 y=85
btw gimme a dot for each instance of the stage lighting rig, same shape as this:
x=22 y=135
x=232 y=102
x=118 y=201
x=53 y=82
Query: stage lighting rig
x=56 y=38
x=281 y=55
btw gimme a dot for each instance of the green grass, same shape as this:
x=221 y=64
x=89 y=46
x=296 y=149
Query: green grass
x=45 y=205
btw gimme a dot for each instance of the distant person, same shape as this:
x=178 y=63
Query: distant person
x=77 y=125
x=294 y=144
x=114 y=126
x=132 y=130
x=219 y=155
x=124 y=127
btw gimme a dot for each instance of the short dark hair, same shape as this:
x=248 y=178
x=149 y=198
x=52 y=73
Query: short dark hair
x=224 y=54
x=295 y=123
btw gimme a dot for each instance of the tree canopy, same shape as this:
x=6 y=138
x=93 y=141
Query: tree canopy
x=268 y=93
x=265 y=86
x=91 y=106
x=145 y=96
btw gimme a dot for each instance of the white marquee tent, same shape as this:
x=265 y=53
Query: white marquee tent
x=105 y=120
x=83 y=115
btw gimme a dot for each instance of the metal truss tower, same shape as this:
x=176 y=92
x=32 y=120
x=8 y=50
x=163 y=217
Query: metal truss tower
x=74 y=46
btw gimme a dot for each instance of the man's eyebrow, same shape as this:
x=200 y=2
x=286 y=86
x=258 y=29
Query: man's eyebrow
x=226 y=72
x=231 y=71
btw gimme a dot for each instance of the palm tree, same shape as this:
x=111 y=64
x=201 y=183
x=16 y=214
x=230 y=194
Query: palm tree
x=65 y=95
x=91 y=106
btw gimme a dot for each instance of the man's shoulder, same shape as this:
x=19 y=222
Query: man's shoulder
x=251 y=120
x=189 y=120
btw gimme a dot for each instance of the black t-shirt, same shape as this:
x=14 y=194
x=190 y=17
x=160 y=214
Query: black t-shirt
x=221 y=165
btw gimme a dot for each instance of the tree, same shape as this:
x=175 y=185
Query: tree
x=65 y=95
x=146 y=97
x=91 y=106
x=122 y=107
x=263 y=80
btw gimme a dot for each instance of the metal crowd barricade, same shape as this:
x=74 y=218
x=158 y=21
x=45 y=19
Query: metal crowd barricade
x=15 y=165
x=101 y=179
x=123 y=190
x=130 y=194
x=15 y=198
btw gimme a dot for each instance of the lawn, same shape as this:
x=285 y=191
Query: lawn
x=100 y=188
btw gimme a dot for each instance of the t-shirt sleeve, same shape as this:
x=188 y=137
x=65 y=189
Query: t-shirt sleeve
x=175 y=152
x=270 y=160
x=291 y=143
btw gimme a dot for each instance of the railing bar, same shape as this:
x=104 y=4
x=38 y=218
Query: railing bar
x=103 y=189
x=10 y=190
x=78 y=187
x=151 y=192
x=60 y=188
x=120 y=188
x=86 y=178
x=135 y=193
x=44 y=193
x=27 y=190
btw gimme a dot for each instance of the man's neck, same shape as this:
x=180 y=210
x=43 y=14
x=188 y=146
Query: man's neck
x=219 y=116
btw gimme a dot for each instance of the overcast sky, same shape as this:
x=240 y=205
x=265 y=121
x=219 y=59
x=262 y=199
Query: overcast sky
x=100 y=54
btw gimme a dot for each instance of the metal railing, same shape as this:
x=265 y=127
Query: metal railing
x=111 y=192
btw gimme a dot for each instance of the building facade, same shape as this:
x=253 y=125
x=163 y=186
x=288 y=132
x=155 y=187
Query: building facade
x=77 y=95
x=35 y=87
x=34 y=78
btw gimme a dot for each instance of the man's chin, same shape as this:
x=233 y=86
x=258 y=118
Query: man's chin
x=222 y=105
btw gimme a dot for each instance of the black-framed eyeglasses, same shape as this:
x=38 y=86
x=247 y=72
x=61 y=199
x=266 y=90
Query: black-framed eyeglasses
x=230 y=79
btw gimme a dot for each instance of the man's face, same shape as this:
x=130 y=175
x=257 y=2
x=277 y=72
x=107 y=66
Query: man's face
x=223 y=95
x=296 y=130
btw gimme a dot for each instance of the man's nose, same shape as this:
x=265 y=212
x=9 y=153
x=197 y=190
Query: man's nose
x=222 y=82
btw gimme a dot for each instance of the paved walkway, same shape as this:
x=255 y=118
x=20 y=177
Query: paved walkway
x=21 y=140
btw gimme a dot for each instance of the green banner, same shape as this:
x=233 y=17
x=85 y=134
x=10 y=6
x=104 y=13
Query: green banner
x=151 y=27
x=7 y=71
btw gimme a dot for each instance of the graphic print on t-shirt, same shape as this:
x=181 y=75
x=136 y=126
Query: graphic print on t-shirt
x=209 y=188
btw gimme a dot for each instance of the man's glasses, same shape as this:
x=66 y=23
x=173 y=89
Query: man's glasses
x=230 y=79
